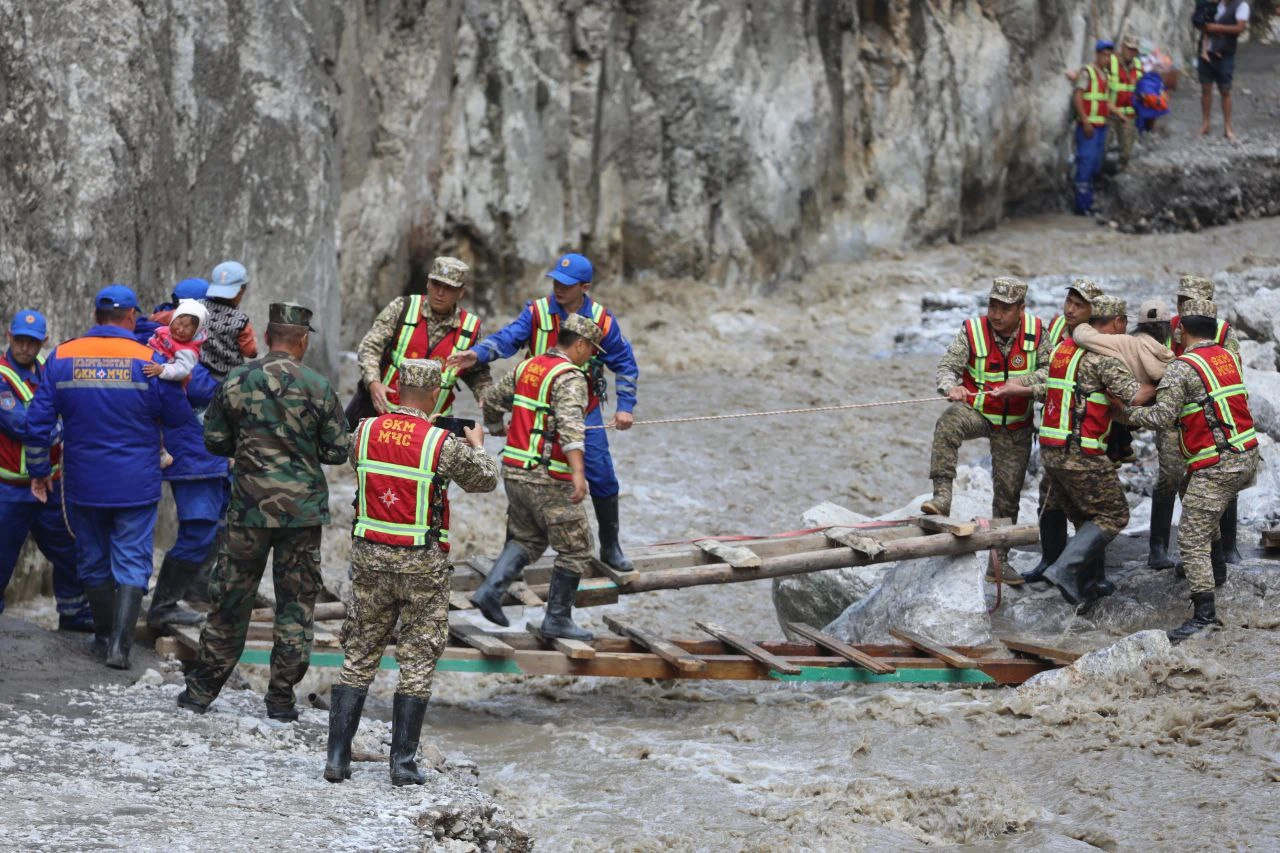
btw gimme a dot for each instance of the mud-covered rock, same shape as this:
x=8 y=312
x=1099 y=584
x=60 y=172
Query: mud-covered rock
x=1122 y=659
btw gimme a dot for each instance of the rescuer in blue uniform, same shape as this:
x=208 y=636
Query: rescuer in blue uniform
x=112 y=415
x=535 y=329
x=21 y=373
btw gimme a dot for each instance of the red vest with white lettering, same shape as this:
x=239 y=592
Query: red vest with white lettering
x=13 y=459
x=412 y=341
x=528 y=442
x=1067 y=418
x=1225 y=405
x=989 y=369
x=401 y=497
x=545 y=334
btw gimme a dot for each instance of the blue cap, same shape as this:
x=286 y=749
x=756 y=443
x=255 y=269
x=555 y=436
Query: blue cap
x=115 y=296
x=228 y=279
x=571 y=270
x=190 y=288
x=29 y=324
x=1104 y=44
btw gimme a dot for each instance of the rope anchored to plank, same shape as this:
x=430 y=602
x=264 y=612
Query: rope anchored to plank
x=841 y=407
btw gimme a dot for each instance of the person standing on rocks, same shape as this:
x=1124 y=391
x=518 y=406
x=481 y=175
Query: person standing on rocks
x=545 y=475
x=1204 y=396
x=1124 y=73
x=21 y=374
x=987 y=353
x=231 y=337
x=1219 y=68
x=279 y=421
x=1092 y=100
x=111 y=416
x=536 y=329
x=413 y=327
x=400 y=562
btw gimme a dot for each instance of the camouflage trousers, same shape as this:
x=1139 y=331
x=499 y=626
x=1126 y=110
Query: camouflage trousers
x=1124 y=133
x=1010 y=452
x=1209 y=490
x=420 y=602
x=541 y=513
x=1173 y=465
x=295 y=569
x=1089 y=494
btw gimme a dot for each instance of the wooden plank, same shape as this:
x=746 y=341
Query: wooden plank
x=943 y=524
x=522 y=593
x=849 y=537
x=477 y=638
x=479 y=564
x=737 y=556
x=603 y=569
x=459 y=601
x=572 y=649
x=322 y=613
x=669 y=652
x=937 y=650
x=841 y=648
x=1271 y=538
x=1062 y=657
x=748 y=648
x=174 y=646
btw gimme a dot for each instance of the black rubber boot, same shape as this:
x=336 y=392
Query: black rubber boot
x=407 y=714
x=1097 y=587
x=1053 y=538
x=345 y=707
x=1073 y=567
x=128 y=606
x=488 y=598
x=175 y=577
x=75 y=624
x=560 y=598
x=1161 y=522
x=188 y=704
x=1228 y=527
x=102 y=604
x=1217 y=556
x=610 y=551
x=1204 y=616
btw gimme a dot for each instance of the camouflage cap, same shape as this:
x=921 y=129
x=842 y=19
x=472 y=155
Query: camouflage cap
x=1109 y=306
x=584 y=326
x=1195 y=287
x=450 y=272
x=289 y=314
x=1087 y=288
x=1131 y=41
x=1008 y=289
x=420 y=373
x=1154 y=311
x=1200 y=308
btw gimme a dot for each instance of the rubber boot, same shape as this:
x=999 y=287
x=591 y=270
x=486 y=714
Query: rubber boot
x=1161 y=521
x=1096 y=587
x=1073 y=567
x=1218 y=557
x=1053 y=538
x=940 y=503
x=560 y=598
x=175 y=577
x=1203 y=616
x=82 y=624
x=197 y=592
x=128 y=605
x=102 y=604
x=610 y=551
x=187 y=703
x=407 y=714
x=488 y=598
x=1228 y=527
x=345 y=707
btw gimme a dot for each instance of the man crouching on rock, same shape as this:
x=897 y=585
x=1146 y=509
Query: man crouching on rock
x=400 y=563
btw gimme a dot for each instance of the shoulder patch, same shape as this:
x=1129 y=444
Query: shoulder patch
x=8 y=401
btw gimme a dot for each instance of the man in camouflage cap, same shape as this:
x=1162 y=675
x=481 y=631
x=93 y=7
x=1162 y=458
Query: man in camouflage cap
x=545 y=475
x=400 y=563
x=986 y=354
x=417 y=326
x=1219 y=447
x=279 y=421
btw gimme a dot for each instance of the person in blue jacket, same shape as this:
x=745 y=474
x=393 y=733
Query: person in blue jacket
x=21 y=373
x=111 y=415
x=188 y=288
x=535 y=329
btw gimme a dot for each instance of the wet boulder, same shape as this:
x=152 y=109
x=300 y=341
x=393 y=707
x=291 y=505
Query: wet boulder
x=1121 y=660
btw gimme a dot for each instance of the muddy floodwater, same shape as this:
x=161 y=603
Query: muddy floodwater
x=1187 y=758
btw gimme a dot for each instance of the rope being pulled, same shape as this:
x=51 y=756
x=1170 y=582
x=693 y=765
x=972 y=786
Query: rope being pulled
x=840 y=407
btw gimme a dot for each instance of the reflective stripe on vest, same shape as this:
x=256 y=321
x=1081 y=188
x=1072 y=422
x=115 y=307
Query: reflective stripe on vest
x=1220 y=422
x=410 y=505
x=463 y=337
x=1096 y=97
x=527 y=436
x=1219 y=336
x=1066 y=418
x=1057 y=329
x=1122 y=90
x=546 y=332
x=13 y=455
x=989 y=369
x=403 y=340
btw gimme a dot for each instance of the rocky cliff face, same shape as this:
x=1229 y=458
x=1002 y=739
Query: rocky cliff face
x=334 y=147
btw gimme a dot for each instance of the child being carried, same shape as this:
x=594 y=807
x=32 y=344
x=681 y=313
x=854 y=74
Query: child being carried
x=179 y=342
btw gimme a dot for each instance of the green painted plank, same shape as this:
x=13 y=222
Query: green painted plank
x=333 y=659
x=905 y=676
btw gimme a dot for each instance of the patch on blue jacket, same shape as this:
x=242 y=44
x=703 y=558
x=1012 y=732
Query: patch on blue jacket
x=7 y=400
x=100 y=370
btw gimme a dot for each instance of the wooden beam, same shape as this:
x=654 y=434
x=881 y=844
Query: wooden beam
x=459 y=601
x=749 y=649
x=944 y=524
x=603 y=569
x=1062 y=657
x=572 y=649
x=867 y=546
x=323 y=612
x=937 y=650
x=669 y=652
x=1271 y=538
x=841 y=648
x=487 y=644
x=522 y=593
x=736 y=556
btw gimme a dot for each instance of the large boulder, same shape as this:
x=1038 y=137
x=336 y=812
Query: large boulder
x=1123 y=659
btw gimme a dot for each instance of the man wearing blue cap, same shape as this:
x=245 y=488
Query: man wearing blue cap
x=231 y=337
x=536 y=328
x=21 y=373
x=111 y=416
x=1092 y=101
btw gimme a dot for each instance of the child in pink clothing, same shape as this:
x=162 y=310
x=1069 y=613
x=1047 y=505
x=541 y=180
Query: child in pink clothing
x=180 y=343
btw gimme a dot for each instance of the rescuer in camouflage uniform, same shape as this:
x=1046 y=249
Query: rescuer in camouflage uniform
x=540 y=508
x=279 y=421
x=405 y=582
x=962 y=421
x=1209 y=489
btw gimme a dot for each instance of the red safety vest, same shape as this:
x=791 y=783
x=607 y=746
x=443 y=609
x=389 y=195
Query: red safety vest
x=412 y=342
x=528 y=444
x=1067 y=418
x=1220 y=337
x=546 y=332
x=1057 y=330
x=402 y=499
x=1225 y=405
x=1096 y=97
x=1124 y=81
x=989 y=369
x=13 y=457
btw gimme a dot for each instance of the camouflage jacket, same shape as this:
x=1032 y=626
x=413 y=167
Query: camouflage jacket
x=568 y=399
x=279 y=421
x=955 y=361
x=382 y=334
x=1095 y=372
